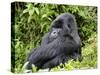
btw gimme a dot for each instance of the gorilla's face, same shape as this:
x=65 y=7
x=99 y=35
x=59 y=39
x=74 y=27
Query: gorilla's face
x=59 y=28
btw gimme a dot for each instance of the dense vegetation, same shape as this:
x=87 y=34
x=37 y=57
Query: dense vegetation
x=30 y=22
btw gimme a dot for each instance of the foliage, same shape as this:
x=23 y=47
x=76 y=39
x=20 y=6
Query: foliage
x=32 y=21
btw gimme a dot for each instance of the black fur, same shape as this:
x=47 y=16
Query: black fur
x=54 y=51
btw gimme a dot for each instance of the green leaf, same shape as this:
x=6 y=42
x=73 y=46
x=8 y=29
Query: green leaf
x=45 y=15
x=81 y=13
x=31 y=12
x=36 y=10
x=25 y=11
x=29 y=19
x=29 y=6
x=34 y=69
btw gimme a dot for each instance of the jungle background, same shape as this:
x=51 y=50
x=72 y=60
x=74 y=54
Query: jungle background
x=30 y=22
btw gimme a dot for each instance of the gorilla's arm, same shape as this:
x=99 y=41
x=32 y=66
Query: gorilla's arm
x=31 y=54
x=45 y=52
x=42 y=55
x=50 y=51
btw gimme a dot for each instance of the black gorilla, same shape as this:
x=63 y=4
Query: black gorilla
x=60 y=44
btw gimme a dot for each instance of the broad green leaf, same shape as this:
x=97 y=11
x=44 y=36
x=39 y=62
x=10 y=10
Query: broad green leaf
x=25 y=11
x=45 y=15
x=29 y=6
x=29 y=19
x=31 y=12
x=36 y=10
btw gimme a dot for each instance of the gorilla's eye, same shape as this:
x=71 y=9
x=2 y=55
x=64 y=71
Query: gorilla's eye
x=69 y=26
x=54 y=32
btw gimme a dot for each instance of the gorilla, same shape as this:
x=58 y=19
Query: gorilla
x=61 y=43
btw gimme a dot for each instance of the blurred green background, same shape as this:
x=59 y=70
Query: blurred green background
x=30 y=22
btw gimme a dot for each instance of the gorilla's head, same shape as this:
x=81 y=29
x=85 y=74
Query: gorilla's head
x=64 y=24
